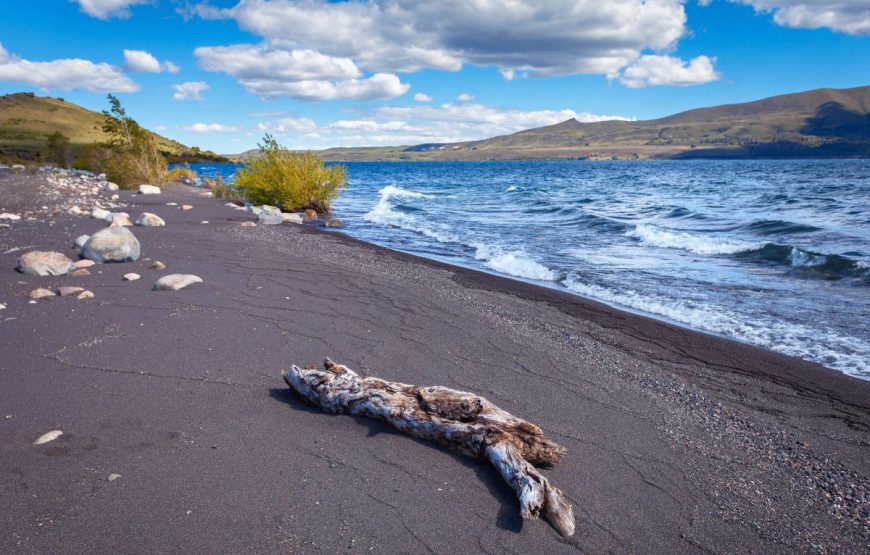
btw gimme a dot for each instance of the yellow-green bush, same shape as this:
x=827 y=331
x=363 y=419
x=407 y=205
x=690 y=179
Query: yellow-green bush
x=136 y=158
x=290 y=180
x=181 y=173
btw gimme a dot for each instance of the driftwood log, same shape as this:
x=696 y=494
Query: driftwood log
x=456 y=419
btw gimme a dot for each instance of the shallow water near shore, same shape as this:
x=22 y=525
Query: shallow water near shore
x=773 y=253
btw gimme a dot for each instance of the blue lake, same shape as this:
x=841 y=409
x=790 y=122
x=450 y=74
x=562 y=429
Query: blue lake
x=773 y=253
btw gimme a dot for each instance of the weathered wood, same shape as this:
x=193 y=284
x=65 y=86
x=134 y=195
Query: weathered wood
x=459 y=420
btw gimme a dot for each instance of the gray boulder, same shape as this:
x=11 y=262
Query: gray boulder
x=80 y=242
x=44 y=263
x=112 y=244
x=270 y=219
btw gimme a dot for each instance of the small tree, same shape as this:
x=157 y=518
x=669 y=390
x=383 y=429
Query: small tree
x=57 y=149
x=291 y=180
x=93 y=157
x=136 y=158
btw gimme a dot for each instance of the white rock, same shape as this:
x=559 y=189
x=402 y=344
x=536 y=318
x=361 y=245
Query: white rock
x=2 y=306
x=174 y=282
x=270 y=210
x=8 y=216
x=204 y=222
x=101 y=214
x=269 y=219
x=113 y=477
x=171 y=204
x=83 y=263
x=48 y=436
x=132 y=276
x=44 y=263
x=74 y=211
x=149 y=190
x=85 y=295
x=292 y=217
x=148 y=219
x=111 y=187
x=255 y=210
x=112 y=244
x=80 y=241
x=121 y=220
x=114 y=197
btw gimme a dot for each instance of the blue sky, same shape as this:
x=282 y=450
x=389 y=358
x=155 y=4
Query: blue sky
x=317 y=74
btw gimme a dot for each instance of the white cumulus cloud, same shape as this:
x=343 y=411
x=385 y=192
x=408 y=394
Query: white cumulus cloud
x=106 y=9
x=465 y=97
x=192 y=90
x=422 y=97
x=269 y=71
x=416 y=124
x=70 y=73
x=845 y=16
x=210 y=128
x=652 y=70
x=144 y=62
x=557 y=37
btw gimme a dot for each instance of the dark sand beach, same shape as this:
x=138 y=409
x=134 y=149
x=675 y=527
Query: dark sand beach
x=677 y=442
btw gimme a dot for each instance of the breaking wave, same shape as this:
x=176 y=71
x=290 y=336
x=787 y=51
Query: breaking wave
x=652 y=236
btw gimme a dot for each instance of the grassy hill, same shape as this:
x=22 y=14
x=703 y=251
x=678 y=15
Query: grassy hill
x=26 y=120
x=818 y=123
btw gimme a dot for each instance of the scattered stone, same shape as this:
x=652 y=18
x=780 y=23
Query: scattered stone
x=81 y=272
x=158 y=265
x=174 y=282
x=31 y=302
x=147 y=219
x=44 y=263
x=69 y=290
x=149 y=190
x=111 y=187
x=121 y=220
x=19 y=167
x=249 y=224
x=310 y=215
x=113 y=477
x=112 y=244
x=2 y=306
x=85 y=296
x=171 y=204
x=270 y=210
x=101 y=214
x=293 y=217
x=41 y=293
x=80 y=242
x=114 y=197
x=186 y=206
x=269 y=219
x=83 y=263
x=255 y=210
x=132 y=276
x=48 y=436
x=10 y=217
x=334 y=222
x=74 y=211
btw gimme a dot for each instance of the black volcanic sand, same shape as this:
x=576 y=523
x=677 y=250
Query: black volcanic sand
x=678 y=442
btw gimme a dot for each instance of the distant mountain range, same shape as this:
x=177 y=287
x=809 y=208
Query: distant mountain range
x=26 y=120
x=817 y=123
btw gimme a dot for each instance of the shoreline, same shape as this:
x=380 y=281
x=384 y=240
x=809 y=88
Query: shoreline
x=677 y=441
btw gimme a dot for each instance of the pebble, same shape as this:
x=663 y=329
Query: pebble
x=69 y=290
x=48 y=436
x=204 y=222
x=186 y=206
x=85 y=296
x=85 y=263
x=147 y=219
x=249 y=224
x=113 y=477
x=174 y=282
x=81 y=272
x=2 y=306
x=149 y=190
x=114 y=197
x=171 y=204
x=10 y=217
x=158 y=265
x=132 y=276
x=101 y=214
x=41 y=293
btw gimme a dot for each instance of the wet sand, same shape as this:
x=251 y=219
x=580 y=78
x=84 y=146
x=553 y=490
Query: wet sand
x=678 y=442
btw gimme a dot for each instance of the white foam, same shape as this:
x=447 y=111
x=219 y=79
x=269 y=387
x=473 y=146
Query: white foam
x=511 y=189
x=847 y=354
x=652 y=236
x=518 y=264
x=804 y=259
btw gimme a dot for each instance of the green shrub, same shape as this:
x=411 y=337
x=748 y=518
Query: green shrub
x=290 y=180
x=221 y=190
x=180 y=174
x=92 y=158
x=135 y=157
x=57 y=149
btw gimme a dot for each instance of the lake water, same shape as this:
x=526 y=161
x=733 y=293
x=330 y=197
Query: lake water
x=773 y=253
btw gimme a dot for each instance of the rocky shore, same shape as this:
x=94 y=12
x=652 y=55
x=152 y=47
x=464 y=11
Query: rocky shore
x=151 y=416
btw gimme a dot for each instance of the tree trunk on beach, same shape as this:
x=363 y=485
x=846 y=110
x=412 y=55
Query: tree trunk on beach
x=456 y=419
